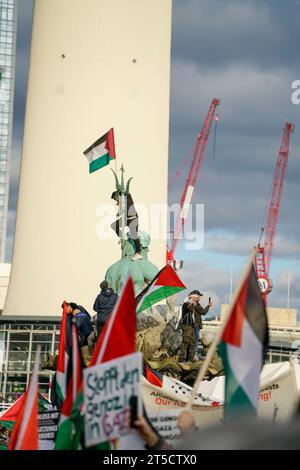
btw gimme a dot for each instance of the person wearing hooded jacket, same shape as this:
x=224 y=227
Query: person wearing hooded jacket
x=104 y=305
x=83 y=322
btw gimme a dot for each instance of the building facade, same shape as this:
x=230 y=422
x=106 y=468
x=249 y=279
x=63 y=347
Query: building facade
x=19 y=339
x=8 y=17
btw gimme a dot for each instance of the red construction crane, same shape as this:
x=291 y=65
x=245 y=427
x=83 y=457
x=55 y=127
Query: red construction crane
x=265 y=250
x=190 y=184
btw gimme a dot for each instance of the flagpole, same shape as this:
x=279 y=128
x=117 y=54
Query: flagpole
x=219 y=334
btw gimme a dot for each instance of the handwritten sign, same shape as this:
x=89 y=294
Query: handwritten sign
x=109 y=389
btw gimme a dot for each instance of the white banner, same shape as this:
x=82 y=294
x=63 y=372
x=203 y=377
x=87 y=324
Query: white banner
x=163 y=409
x=108 y=392
x=278 y=398
x=278 y=401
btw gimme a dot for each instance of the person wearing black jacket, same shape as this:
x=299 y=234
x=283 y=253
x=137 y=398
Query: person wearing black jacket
x=84 y=324
x=132 y=223
x=104 y=305
x=187 y=348
x=199 y=311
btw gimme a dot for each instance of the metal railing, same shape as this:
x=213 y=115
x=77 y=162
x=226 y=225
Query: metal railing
x=4 y=407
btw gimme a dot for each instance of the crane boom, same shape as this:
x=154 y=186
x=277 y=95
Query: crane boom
x=264 y=252
x=190 y=184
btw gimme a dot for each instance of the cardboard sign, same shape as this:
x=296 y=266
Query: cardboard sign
x=109 y=389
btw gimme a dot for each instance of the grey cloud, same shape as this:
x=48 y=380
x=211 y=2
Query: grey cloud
x=229 y=243
x=216 y=283
x=235 y=185
x=224 y=32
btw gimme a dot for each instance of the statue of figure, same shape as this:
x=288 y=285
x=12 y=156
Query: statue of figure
x=134 y=243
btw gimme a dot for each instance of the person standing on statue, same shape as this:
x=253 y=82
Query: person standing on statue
x=132 y=222
x=187 y=324
x=199 y=311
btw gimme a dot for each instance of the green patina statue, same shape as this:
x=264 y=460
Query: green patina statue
x=134 y=244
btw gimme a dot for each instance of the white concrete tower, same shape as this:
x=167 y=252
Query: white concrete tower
x=94 y=64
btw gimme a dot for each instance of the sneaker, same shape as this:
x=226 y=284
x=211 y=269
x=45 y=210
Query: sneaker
x=136 y=257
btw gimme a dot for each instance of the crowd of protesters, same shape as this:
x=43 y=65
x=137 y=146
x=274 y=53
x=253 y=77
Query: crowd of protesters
x=189 y=321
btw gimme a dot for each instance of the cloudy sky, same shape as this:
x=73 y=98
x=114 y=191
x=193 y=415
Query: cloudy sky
x=246 y=54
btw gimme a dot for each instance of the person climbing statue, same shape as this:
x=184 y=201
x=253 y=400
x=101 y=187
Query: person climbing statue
x=132 y=222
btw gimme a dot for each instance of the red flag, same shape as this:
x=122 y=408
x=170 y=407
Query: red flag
x=25 y=432
x=118 y=336
x=14 y=410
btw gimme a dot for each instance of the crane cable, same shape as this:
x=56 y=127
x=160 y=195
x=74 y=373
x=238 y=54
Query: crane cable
x=192 y=151
x=182 y=166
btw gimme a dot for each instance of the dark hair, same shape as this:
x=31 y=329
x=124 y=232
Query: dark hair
x=71 y=304
x=104 y=285
x=114 y=195
x=195 y=292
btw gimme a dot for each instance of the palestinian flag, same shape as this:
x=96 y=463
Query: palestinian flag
x=154 y=377
x=64 y=354
x=101 y=152
x=243 y=346
x=165 y=284
x=25 y=432
x=8 y=419
x=66 y=430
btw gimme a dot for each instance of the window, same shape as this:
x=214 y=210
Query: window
x=18 y=352
x=15 y=386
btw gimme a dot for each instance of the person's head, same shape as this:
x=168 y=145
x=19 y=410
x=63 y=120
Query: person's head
x=115 y=196
x=70 y=307
x=195 y=296
x=104 y=285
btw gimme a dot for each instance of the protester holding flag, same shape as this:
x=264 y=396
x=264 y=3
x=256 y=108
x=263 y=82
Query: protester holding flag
x=84 y=324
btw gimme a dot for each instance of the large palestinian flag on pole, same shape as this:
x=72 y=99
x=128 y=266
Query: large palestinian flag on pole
x=165 y=284
x=64 y=354
x=101 y=152
x=66 y=430
x=243 y=346
x=25 y=432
